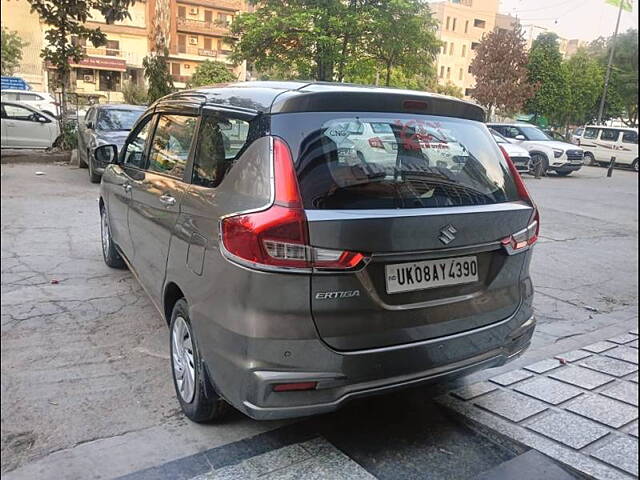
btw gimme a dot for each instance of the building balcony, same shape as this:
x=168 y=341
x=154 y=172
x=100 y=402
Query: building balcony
x=180 y=78
x=193 y=50
x=199 y=26
x=231 y=5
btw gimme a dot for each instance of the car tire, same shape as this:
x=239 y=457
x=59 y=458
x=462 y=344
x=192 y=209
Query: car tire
x=589 y=159
x=198 y=400
x=109 y=251
x=540 y=158
x=634 y=165
x=93 y=176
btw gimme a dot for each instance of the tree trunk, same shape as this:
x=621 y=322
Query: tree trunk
x=388 y=77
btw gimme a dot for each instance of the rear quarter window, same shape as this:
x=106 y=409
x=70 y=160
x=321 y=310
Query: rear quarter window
x=397 y=161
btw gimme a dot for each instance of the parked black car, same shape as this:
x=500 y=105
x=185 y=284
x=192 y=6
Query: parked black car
x=104 y=125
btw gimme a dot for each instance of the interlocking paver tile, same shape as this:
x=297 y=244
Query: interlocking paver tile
x=511 y=405
x=623 y=353
x=604 y=410
x=632 y=429
x=569 y=429
x=468 y=392
x=549 y=390
x=581 y=377
x=544 y=365
x=573 y=356
x=624 y=338
x=620 y=452
x=599 y=347
x=624 y=391
x=512 y=377
x=610 y=366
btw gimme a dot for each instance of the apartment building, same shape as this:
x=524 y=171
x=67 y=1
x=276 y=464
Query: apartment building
x=567 y=47
x=199 y=31
x=462 y=23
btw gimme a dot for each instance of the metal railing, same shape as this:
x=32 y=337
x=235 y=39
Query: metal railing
x=200 y=26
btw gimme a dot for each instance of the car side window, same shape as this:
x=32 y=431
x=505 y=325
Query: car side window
x=171 y=144
x=511 y=132
x=590 y=133
x=15 y=112
x=609 y=135
x=134 y=150
x=630 y=137
x=219 y=142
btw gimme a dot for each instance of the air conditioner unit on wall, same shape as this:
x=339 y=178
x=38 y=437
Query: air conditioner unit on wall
x=88 y=79
x=193 y=40
x=193 y=11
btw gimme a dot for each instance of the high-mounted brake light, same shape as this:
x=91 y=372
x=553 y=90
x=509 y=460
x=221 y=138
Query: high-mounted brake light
x=375 y=142
x=278 y=236
x=526 y=237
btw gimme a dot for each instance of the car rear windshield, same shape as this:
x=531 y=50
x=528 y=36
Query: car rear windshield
x=117 y=120
x=382 y=160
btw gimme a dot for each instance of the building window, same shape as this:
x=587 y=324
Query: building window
x=453 y=26
x=443 y=49
x=468 y=92
x=474 y=45
x=207 y=43
x=479 y=23
x=224 y=19
x=175 y=69
x=441 y=72
x=208 y=16
x=448 y=72
x=469 y=69
x=464 y=50
x=182 y=12
x=451 y=49
x=182 y=44
x=112 y=48
x=448 y=22
x=466 y=26
x=109 y=81
x=461 y=74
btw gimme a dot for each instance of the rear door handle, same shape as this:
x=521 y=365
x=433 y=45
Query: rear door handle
x=167 y=200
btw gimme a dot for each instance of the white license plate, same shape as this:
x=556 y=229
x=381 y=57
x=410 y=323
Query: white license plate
x=406 y=277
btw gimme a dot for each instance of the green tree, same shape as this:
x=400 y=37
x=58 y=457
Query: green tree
x=585 y=80
x=12 y=46
x=134 y=94
x=353 y=40
x=156 y=71
x=545 y=70
x=66 y=23
x=400 y=34
x=500 y=70
x=210 y=72
x=156 y=66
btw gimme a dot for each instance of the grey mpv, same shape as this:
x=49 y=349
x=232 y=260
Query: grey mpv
x=311 y=243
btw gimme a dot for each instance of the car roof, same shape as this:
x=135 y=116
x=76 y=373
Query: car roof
x=301 y=96
x=16 y=90
x=516 y=124
x=119 y=106
x=630 y=129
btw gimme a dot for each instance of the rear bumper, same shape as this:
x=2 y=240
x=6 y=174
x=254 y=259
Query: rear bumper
x=383 y=370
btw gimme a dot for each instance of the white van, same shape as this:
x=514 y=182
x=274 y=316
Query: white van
x=601 y=143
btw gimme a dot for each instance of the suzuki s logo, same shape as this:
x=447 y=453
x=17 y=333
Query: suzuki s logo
x=333 y=295
x=447 y=234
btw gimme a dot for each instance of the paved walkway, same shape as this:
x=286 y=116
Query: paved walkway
x=579 y=407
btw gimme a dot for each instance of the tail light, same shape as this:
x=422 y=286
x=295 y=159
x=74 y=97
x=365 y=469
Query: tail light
x=519 y=241
x=278 y=236
x=375 y=142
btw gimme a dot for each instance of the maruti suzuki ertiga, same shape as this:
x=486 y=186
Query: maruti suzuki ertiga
x=296 y=268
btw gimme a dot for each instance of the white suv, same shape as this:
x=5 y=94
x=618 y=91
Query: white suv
x=39 y=100
x=560 y=157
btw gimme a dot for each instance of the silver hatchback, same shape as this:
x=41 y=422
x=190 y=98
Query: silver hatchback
x=309 y=244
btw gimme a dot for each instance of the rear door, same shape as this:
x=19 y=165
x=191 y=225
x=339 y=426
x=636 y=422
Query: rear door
x=156 y=196
x=628 y=147
x=432 y=228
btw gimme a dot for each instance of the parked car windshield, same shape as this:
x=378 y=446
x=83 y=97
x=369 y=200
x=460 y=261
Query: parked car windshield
x=115 y=119
x=375 y=161
x=535 y=134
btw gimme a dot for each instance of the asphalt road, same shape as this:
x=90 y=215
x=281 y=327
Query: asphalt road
x=86 y=386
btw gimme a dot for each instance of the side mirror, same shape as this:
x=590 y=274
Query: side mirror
x=519 y=137
x=89 y=125
x=42 y=119
x=106 y=154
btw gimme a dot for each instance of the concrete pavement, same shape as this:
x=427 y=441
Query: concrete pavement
x=86 y=386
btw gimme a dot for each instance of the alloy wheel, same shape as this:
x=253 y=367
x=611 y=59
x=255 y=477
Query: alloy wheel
x=182 y=359
x=104 y=232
